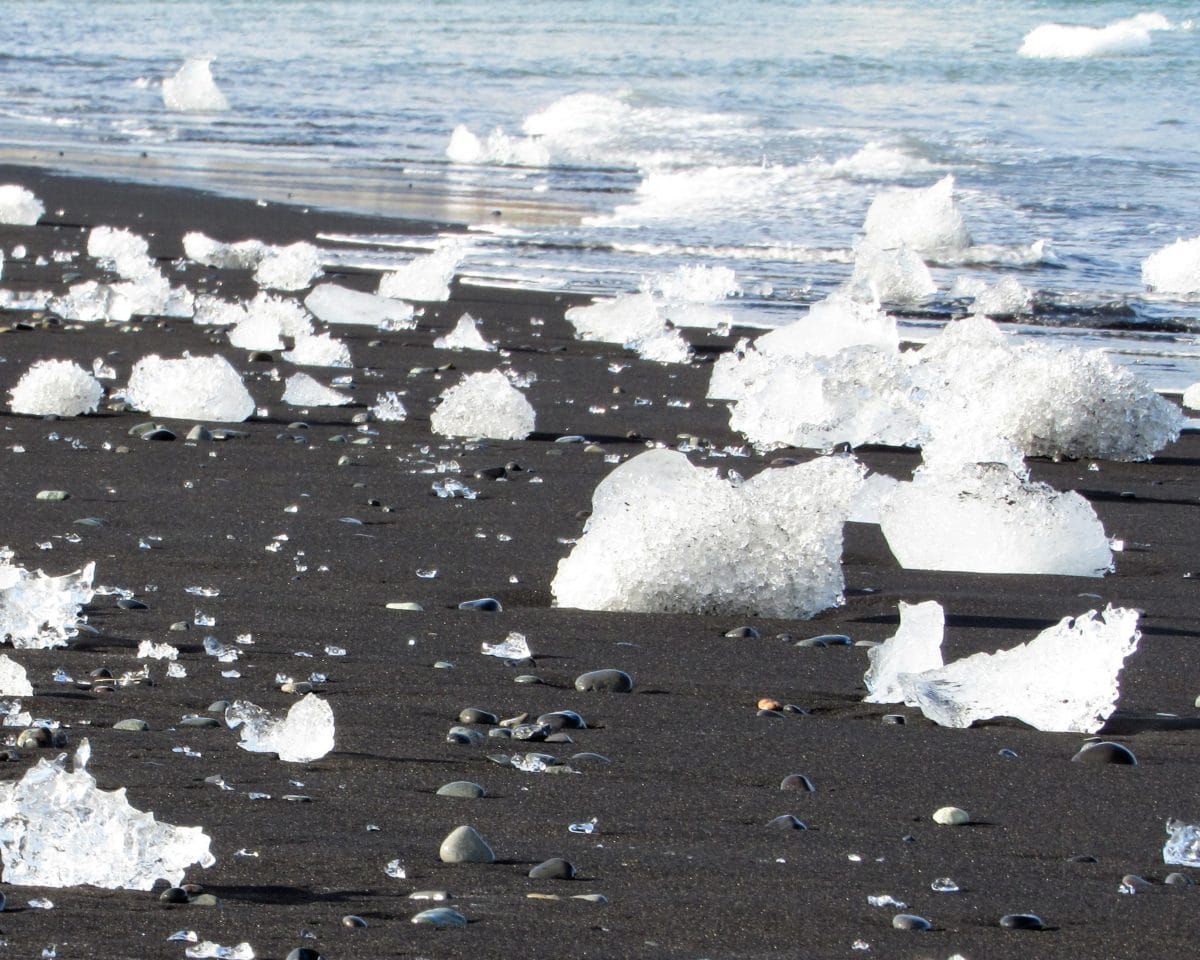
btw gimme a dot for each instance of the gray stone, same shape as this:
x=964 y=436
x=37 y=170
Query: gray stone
x=476 y=715
x=797 y=781
x=604 y=681
x=788 y=822
x=441 y=917
x=742 y=633
x=482 y=605
x=556 y=868
x=1022 y=921
x=1105 y=751
x=462 y=789
x=465 y=735
x=132 y=724
x=199 y=722
x=465 y=845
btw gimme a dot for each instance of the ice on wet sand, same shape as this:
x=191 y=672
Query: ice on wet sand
x=58 y=829
x=426 y=277
x=333 y=304
x=14 y=681
x=243 y=255
x=19 y=206
x=301 y=390
x=915 y=647
x=292 y=267
x=261 y=323
x=1065 y=679
x=304 y=734
x=484 y=405
x=632 y=320
x=464 y=336
x=59 y=388
x=667 y=536
x=189 y=388
x=37 y=611
x=193 y=90
x=318 y=350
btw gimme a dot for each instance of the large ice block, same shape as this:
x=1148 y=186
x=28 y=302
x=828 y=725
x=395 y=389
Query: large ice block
x=37 y=611
x=193 y=90
x=632 y=320
x=1174 y=269
x=19 y=206
x=484 y=405
x=61 y=388
x=189 y=388
x=305 y=733
x=331 y=303
x=915 y=647
x=426 y=277
x=924 y=220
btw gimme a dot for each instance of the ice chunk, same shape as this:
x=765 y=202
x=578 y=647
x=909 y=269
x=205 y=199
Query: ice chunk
x=189 y=388
x=243 y=255
x=513 y=647
x=464 y=336
x=193 y=90
x=666 y=536
x=58 y=829
x=897 y=275
x=1065 y=679
x=151 y=294
x=484 y=405
x=18 y=206
x=149 y=650
x=870 y=498
x=1183 y=844
x=333 y=304
x=1007 y=298
x=1175 y=269
x=986 y=519
x=301 y=390
x=14 y=682
x=389 y=407
x=303 y=735
x=59 y=387
x=926 y=221
x=121 y=251
x=1191 y=397
x=694 y=284
x=265 y=320
x=426 y=277
x=206 y=949
x=915 y=647
x=632 y=320
x=318 y=350
x=37 y=611
x=288 y=268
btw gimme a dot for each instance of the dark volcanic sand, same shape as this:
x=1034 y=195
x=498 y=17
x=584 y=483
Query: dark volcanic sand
x=682 y=850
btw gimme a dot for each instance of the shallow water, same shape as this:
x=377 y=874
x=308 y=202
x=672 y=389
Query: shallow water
x=637 y=137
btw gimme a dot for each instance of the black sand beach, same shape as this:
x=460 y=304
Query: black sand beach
x=681 y=850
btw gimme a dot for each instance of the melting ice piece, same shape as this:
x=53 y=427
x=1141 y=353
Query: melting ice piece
x=926 y=221
x=151 y=294
x=694 y=283
x=18 y=206
x=1183 y=844
x=896 y=276
x=1191 y=397
x=262 y=322
x=389 y=407
x=915 y=647
x=666 y=536
x=986 y=519
x=1175 y=269
x=14 y=682
x=333 y=304
x=292 y=267
x=1065 y=679
x=193 y=90
x=484 y=405
x=1006 y=298
x=301 y=390
x=57 y=829
x=59 y=387
x=40 y=612
x=632 y=320
x=303 y=735
x=208 y=948
x=243 y=255
x=464 y=336
x=189 y=388
x=513 y=647
x=426 y=277
x=121 y=251
x=871 y=497
x=318 y=350
x=149 y=650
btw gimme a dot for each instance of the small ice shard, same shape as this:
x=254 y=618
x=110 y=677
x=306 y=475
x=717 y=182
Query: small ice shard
x=484 y=404
x=288 y=268
x=332 y=304
x=694 y=283
x=665 y=536
x=193 y=90
x=1006 y=298
x=318 y=350
x=41 y=612
x=464 y=336
x=915 y=647
x=243 y=255
x=925 y=220
x=57 y=829
x=189 y=388
x=896 y=275
x=425 y=278
x=303 y=735
x=56 y=387
x=209 y=949
x=986 y=519
x=1183 y=844
x=1174 y=269
x=632 y=320
x=389 y=407
x=14 y=682
x=301 y=390
x=149 y=650
x=1064 y=680
x=18 y=206
x=513 y=647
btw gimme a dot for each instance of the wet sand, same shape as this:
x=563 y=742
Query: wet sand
x=681 y=850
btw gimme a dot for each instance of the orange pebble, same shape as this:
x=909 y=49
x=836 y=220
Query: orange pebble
x=766 y=703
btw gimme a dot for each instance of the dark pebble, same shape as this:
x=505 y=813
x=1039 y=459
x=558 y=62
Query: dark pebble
x=910 y=921
x=825 y=640
x=173 y=895
x=304 y=953
x=773 y=714
x=788 y=822
x=353 y=921
x=742 y=633
x=1022 y=921
x=898 y=719
x=475 y=715
x=1008 y=754
x=604 y=681
x=1082 y=858
x=1177 y=880
x=128 y=603
x=482 y=605
x=1105 y=751
x=797 y=781
x=158 y=433
x=464 y=735
x=200 y=722
x=563 y=720
x=556 y=868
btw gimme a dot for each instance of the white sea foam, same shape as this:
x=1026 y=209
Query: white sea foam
x=498 y=148
x=1174 y=269
x=1055 y=41
x=875 y=161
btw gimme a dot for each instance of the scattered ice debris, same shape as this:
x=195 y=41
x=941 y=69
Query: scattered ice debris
x=425 y=278
x=19 y=206
x=57 y=829
x=667 y=536
x=896 y=275
x=56 y=387
x=1056 y=41
x=690 y=295
x=37 y=611
x=193 y=90
x=484 y=405
x=330 y=303
x=1064 y=680
x=292 y=267
x=301 y=390
x=1174 y=269
x=149 y=650
x=924 y=220
x=514 y=647
x=318 y=350
x=915 y=647
x=389 y=407
x=1183 y=844
x=464 y=336
x=222 y=652
x=207 y=948
x=189 y=388
x=303 y=735
x=986 y=519
x=243 y=255
x=632 y=320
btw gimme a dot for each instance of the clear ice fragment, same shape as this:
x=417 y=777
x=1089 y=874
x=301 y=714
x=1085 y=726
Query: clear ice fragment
x=333 y=304
x=634 y=321
x=207 y=948
x=37 y=611
x=513 y=647
x=13 y=680
x=318 y=350
x=301 y=390
x=149 y=650
x=60 y=388
x=425 y=278
x=193 y=90
x=484 y=404
x=291 y=267
x=243 y=255
x=19 y=206
x=915 y=647
x=1183 y=844
x=925 y=220
x=303 y=735
x=464 y=336
x=189 y=388
x=389 y=407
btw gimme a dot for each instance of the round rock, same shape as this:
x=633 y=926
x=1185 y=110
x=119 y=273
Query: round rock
x=787 y=822
x=910 y=921
x=1022 y=921
x=304 y=953
x=477 y=716
x=461 y=789
x=441 y=917
x=132 y=724
x=742 y=633
x=604 y=681
x=465 y=845
x=797 y=781
x=951 y=816
x=1105 y=751
x=556 y=868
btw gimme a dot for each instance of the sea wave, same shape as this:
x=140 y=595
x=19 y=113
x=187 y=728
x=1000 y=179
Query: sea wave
x=1056 y=41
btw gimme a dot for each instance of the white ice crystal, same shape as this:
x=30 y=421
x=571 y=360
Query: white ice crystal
x=425 y=278
x=1065 y=679
x=464 y=336
x=515 y=646
x=304 y=734
x=149 y=650
x=19 y=206
x=265 y=320
x=340 y=305
x=121 y=251
x=1191 y=397
x=694 y=283
x=895 y=275
x=37 y=611
x=292 y=267
x=59 y=387
x=189 y=388
x=1005 y=298
x=389 y=407
x=986 y=519
x=301 y=390
x=193 y=90
x=58 y=829
x=150 y=294
x=243 y=255
x=1174 y=269
x=484 y=405
x=925 y=220
x=667 y=536
x=318 y=350
x=915 y=647
x=14 y=682
x=632 y=320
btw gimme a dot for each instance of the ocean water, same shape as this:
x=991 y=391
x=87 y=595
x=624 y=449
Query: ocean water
x=597 y=145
